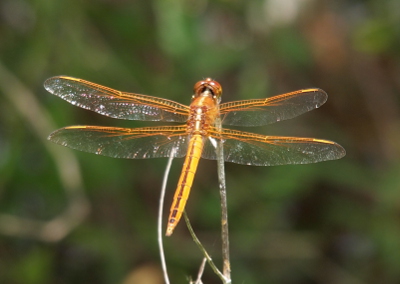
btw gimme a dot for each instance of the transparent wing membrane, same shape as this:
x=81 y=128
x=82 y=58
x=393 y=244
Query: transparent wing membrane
x=259 y=150
x=266 y=111
x=129 y=143
x=113 y=103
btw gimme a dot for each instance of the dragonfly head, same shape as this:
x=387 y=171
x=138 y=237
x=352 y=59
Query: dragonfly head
x=208 y=86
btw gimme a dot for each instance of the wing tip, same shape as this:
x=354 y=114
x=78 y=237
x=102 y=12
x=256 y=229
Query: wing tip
x=323 y=97
x=341 y=151
x=48 y=82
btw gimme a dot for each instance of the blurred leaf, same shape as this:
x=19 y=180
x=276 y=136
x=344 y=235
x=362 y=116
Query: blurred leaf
x=35 y=267
x=374 y=36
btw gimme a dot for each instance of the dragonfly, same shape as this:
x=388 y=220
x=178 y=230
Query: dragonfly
x=197 y=135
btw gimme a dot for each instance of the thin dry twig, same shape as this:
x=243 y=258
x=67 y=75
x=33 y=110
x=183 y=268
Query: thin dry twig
x=160 y=216
x=201 y=271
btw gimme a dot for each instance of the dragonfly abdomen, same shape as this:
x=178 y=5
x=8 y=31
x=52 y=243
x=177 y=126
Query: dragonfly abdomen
x=195 y=148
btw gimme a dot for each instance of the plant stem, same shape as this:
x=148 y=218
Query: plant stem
x=160 y=216
x=224 y=206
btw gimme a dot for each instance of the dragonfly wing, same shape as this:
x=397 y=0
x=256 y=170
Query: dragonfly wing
x=266 y=111
x=129 y=143
x=113 y=103
x=259 y=150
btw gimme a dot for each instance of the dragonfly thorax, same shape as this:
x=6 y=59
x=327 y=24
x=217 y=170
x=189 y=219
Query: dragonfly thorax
x=203 y=112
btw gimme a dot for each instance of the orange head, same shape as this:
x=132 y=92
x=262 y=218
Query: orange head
x=208 y=84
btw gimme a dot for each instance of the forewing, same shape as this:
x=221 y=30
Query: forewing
x=113 y=103
x=258 y=150
x=266 y=111
x=129 y=143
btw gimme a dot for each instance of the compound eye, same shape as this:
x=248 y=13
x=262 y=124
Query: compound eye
x=215 y=88
x=209 y=83
x=198 y=87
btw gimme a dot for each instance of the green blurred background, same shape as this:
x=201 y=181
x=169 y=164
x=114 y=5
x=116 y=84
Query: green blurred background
x=72 y=217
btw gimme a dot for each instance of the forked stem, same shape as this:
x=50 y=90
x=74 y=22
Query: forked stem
x=203 y=250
